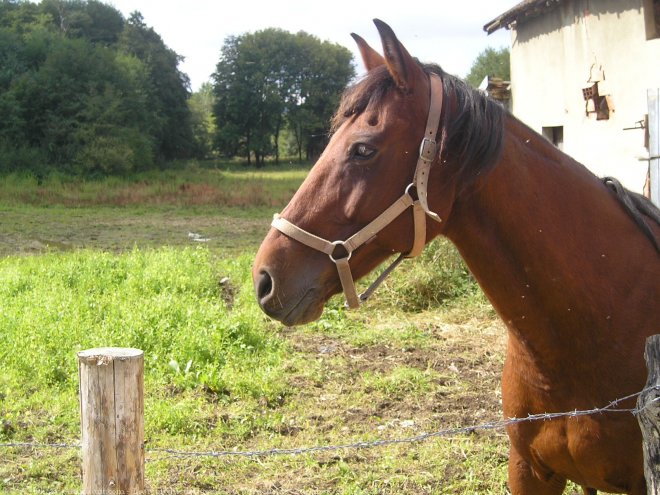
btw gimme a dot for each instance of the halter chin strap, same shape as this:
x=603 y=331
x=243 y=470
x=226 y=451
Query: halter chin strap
x=428 y=153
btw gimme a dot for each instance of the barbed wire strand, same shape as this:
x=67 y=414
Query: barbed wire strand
x=168 y=453
x=493 y=425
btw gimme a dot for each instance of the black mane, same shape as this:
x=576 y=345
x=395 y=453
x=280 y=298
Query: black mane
x=637 y=206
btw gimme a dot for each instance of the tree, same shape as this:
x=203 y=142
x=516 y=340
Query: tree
x=324 y=73
x=248 y=81
x=84 y=111
x=168 y=88
x=91 y=19
x=269 y=80
x=490 y=62
x=85 y=91
x=203 y=124
x=234 y=101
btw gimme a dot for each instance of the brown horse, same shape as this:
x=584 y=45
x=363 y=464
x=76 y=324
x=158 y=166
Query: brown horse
x=559 y=253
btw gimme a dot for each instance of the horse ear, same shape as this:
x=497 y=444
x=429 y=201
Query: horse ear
x=370 y=57
x=402 y=66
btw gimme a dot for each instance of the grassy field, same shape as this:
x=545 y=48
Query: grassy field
x=113 y=264
x=230 y=206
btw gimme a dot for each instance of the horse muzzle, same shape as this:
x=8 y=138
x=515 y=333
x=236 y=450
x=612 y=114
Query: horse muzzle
x=297 y=305
x=291 y=286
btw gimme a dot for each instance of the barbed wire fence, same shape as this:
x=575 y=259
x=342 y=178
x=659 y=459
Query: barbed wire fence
x=170 y=453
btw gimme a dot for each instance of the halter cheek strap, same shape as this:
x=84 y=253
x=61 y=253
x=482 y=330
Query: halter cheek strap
x=428 y=153
x=428 y=150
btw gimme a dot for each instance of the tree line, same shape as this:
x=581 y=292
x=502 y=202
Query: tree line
x=86 y=91
x=273 y=84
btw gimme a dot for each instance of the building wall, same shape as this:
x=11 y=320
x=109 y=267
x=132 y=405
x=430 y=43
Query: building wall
x=554 y=56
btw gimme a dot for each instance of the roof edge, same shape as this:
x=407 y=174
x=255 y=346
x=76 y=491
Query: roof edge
x=525 y=9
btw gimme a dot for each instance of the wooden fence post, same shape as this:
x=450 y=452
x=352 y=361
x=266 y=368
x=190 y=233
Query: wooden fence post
x=112 y=421
x=648 y=404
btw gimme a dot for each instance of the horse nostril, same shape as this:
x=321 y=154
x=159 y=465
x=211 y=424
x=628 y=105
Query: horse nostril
x=264 y=286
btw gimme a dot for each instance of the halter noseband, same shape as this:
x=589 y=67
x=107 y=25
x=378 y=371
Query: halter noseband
x=428 y=151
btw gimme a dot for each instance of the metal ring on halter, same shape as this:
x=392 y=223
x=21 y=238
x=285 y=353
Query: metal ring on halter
x=342 y=244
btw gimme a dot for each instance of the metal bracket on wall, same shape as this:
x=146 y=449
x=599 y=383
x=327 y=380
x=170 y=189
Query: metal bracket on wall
x=640 y=124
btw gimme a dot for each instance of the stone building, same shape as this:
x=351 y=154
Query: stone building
x=586 y=73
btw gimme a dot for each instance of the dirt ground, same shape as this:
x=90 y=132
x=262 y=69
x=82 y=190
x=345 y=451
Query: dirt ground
x=466 y=360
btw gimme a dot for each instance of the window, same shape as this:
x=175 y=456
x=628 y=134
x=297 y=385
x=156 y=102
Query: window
x=652 y=18
x=555 y=135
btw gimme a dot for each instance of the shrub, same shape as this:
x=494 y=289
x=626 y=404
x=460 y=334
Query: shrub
x=119 y=153
x=437 y=276
x=22 y=158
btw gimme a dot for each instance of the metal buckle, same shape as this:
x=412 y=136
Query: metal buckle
x=427 y=149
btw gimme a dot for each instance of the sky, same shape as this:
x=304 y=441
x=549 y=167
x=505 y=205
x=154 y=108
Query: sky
x=447 y=33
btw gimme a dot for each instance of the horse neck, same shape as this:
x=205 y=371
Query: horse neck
x=537 y=233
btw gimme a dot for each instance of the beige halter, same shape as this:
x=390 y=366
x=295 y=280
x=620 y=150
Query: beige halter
x=428 y=151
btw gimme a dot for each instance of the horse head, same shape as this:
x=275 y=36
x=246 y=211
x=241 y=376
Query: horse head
x=372 y=162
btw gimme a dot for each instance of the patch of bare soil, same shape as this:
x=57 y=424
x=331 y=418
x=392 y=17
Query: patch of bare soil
x=464 y=361
x=333 y=402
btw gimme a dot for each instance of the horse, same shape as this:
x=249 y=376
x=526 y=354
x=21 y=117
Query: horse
x=570 y=262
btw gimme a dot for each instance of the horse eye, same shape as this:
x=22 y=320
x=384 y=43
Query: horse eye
x=362 y=150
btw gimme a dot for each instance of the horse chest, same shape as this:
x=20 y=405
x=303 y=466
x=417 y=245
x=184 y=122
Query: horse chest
x=598 y=452
x=601 y=451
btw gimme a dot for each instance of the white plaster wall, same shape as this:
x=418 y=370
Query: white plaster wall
x=551 y=58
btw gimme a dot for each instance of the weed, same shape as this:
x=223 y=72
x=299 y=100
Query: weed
x=437 y=276
x=400 y=381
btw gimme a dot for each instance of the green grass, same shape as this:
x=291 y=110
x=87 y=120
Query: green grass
x=196 y=333
x=167 y=302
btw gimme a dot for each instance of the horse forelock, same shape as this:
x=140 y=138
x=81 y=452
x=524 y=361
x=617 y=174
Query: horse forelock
x=472 y=129
x=370 y=90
